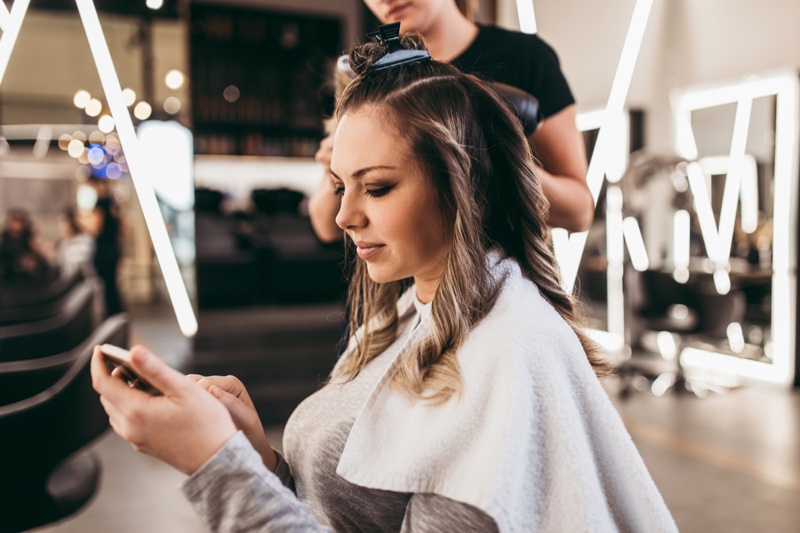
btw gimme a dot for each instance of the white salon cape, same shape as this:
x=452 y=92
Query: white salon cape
x=533 y=440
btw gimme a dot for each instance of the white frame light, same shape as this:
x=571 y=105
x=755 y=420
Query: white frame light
x=785 y=87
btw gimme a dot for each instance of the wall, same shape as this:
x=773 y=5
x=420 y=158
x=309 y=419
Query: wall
x=687 y=42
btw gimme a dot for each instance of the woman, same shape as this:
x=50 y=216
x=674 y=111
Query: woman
x=76 y=247
x=516 y=59
x=107 y=252
x=469 y=403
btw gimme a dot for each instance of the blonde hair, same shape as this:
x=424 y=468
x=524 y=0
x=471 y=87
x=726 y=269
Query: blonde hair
x=472 y=148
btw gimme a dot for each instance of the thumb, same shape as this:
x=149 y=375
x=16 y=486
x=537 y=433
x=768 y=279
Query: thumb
x=157 y=372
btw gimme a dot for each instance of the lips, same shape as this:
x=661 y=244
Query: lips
x=396 y=11
x=365 y=250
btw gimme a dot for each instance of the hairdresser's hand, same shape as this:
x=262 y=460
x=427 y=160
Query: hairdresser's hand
x=323 y=205
x=183 y=428
x=233 y=395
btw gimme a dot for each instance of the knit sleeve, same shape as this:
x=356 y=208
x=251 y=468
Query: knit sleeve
x=234 y=492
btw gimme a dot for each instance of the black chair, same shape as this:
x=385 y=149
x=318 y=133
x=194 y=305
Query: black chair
x=22 y=311
x=71 y=326
x=687 y=311
x=46 y=473
x=32 y=293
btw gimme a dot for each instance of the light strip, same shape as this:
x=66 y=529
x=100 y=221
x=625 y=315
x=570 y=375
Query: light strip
x=42 y=145
x=144 y=189
x=636 y=249
x=615 y=270
x=527 y=19
x=10 y=32
x=573 y=245
x=4 y=16
x=748 y=192
x=733 y=181
x=681 y=245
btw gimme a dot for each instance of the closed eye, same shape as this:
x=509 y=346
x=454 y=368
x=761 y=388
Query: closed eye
x=377 y=193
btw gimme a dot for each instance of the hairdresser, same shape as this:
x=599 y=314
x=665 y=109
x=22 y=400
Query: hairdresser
x=517 y=59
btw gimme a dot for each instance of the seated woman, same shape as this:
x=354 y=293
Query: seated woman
x=470 y=402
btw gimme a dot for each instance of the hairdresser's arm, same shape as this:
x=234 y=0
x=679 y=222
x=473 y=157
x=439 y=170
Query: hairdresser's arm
x=323 y=205
x=559 y=147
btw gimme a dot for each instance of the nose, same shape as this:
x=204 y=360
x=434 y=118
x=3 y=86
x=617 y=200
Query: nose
x=351 y=214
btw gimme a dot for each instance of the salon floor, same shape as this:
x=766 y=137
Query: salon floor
x=727 y=462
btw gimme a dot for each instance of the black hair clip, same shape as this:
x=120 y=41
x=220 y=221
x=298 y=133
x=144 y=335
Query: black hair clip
x=389 y=35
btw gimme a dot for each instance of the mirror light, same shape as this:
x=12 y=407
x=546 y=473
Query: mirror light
x=81 y=98
x=154 y=4
x=142 y=111
x=12 y=21
x=129 y=96
x=784 y=85
x=174 y=79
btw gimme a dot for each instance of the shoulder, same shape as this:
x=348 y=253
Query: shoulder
x=521 y=330
x=515 y=42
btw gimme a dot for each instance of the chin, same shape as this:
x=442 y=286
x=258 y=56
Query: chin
x=381 y=275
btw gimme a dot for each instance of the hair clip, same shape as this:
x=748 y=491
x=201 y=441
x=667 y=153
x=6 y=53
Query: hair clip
x=389 y=35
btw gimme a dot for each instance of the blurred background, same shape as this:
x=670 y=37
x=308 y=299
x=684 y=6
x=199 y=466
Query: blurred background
x=155 y=170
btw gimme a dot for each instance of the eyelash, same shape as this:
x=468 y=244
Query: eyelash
x=375 y=193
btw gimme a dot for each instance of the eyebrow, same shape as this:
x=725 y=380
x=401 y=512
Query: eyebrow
x=360 y=173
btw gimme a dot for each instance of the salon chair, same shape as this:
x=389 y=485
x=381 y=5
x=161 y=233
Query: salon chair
x=73 y=324
x=19 y=295
x=46 y=471
x=678 y=313
x=23 y=311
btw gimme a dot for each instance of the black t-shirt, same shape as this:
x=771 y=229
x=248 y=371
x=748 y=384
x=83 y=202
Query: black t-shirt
x=521 y=60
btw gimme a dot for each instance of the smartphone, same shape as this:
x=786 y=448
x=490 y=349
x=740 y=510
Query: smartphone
x=117 y=357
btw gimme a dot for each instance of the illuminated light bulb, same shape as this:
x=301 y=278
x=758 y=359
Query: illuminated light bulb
x=96 y=137
x=75 y=148
x=142 y=111
x=81 y=99
x=106 y=124
x=78 y=134
x=95 y=155
x=93 y=107
x=172 y=105
x=64 y=140
x=231 y=93
x=154 y=4
x=86 y=197
x=113 y=171
x=174 y=79
x=83 y=158
x=129 y=96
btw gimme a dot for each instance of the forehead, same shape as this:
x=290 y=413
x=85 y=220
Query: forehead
x=368 y=137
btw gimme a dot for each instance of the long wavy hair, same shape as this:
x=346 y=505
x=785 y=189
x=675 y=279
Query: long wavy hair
x=473 y=150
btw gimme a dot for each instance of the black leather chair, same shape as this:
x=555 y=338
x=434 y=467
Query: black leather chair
x=687 y=311
x=72 y=325
x=31 y=311
x=21 y=294
x=46 y=473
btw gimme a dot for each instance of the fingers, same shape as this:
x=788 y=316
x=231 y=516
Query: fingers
x=243 y=415
x=106 y=384
x=160 y=375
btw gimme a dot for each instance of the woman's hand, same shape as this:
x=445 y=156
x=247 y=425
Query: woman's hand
x=183 y=428
x=233 y=395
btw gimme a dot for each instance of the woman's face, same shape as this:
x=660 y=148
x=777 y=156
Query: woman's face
x=389 y=207
x=413 y=15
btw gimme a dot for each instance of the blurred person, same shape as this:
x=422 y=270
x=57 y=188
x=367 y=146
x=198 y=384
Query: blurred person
x=513 y=58
x=471 y=402
x=75 y=249
x=23 y=254
x=107 y=252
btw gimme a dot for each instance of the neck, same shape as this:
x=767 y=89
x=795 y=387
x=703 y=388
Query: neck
x=447 y=37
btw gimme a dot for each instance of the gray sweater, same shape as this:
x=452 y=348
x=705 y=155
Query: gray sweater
x=234 y=491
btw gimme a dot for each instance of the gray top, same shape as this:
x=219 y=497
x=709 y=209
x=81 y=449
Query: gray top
x=234 y=491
